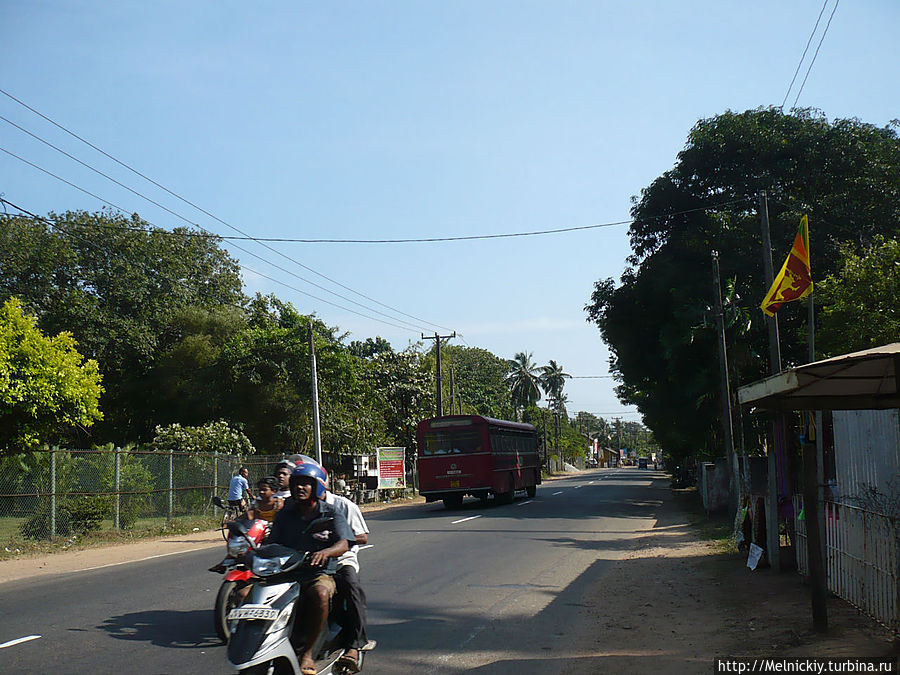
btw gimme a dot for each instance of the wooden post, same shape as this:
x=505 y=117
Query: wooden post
x=817 y=581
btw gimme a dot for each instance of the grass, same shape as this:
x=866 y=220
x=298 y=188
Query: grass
x=13 y=544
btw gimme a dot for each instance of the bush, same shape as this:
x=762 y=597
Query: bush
x=87 y=513
x=38 y=526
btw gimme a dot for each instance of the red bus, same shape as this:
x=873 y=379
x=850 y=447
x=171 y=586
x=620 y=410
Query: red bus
x=463 y=455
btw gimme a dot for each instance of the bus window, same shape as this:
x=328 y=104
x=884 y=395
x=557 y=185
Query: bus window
x=450 y=443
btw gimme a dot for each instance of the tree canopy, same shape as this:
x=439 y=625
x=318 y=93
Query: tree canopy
x=657 y=321
x=46 y=387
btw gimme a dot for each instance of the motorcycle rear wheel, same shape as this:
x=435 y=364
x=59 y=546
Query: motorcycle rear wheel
x=226 y=599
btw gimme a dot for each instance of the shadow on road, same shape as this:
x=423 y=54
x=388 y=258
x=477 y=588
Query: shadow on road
x=165 y=628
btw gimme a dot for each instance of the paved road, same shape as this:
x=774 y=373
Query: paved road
x=485 y=589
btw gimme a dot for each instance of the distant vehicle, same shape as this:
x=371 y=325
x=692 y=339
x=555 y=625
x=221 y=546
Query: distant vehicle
x=463 y=455
x=642 y=462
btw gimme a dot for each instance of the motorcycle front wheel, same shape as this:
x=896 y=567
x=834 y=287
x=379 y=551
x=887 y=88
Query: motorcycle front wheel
x=226 y=600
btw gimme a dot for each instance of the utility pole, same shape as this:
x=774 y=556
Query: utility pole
x=313 y=376
x=437 y=343
x=725 y=388
x=773 y=538
x=452 y=391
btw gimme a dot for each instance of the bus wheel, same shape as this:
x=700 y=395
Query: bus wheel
x=453 y=501
x=531 y=490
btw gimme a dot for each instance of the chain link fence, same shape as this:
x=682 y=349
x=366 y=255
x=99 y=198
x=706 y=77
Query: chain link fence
x=60 y=493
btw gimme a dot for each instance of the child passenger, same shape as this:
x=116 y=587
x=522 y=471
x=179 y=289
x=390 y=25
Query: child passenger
x=267 y=504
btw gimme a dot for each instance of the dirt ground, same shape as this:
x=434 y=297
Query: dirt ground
x=679 y=600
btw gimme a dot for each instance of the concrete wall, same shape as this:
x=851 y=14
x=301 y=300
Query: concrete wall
x=713 y=485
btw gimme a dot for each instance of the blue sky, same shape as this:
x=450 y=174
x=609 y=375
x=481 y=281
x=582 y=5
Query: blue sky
x=373 y=120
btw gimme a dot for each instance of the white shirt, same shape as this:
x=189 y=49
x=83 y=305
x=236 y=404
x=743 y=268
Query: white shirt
x=356 y=521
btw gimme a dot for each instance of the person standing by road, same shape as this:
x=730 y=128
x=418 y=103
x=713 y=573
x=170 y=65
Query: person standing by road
x=238 y=487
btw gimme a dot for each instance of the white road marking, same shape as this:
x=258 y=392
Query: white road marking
x=464 y=520
x=524 y=503
x=19 y=641
x=577 y=486
x=149 y=557
x=557 y=493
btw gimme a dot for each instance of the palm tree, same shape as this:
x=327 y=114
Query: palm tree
x=553 y=379
x=523 y=381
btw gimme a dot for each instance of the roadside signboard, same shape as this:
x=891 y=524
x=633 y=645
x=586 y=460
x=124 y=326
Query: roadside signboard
x=391 y=468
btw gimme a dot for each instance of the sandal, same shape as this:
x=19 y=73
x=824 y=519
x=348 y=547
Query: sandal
x=308 y=670
x=348 y=663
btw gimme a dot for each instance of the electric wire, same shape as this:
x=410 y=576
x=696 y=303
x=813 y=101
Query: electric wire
x=56 y=225
x=216 y=218
x=806 y=49
x=190 y=222
x=410 y=326
x=821 y=40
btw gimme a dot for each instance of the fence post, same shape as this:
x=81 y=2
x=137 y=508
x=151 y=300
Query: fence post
x=53 y=491
x=117 y=523
x=215 y=480
x=171 y=491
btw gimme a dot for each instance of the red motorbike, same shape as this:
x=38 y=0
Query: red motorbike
x=238 y=576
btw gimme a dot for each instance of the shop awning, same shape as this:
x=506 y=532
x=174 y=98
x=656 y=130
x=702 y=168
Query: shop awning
x=865 y=380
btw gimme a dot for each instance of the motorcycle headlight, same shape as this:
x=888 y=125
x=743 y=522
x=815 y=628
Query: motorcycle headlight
x=265 y=567
x=237 y=546
x=282 y=620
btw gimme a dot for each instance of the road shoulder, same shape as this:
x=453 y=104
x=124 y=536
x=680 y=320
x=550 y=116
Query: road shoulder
x=676 y=602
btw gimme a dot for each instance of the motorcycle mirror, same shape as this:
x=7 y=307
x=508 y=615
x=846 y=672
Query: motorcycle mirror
x=217 y=500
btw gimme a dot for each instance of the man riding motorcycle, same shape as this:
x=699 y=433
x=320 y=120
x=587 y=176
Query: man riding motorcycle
x=292 y=528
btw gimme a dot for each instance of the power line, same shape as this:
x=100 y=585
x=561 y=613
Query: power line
x=190 y=222
x=214 y=217
x=805 y=49
x=56 y=225
x=410 y=326
x=821 y=40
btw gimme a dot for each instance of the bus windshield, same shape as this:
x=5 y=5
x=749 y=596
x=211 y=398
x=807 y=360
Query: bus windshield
x=451 y=442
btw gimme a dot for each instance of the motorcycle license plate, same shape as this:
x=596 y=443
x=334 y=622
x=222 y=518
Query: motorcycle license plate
x=264 y=613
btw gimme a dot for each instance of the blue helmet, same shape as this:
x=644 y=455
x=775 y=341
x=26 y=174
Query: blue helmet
x=313 y=470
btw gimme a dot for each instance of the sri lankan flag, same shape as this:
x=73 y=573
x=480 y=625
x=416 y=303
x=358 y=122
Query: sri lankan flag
x=794 y=281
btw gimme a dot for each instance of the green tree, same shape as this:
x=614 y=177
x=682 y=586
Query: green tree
x=113 y=282
x=553 y=380
x=845 y=175
x=523 y=381
x=480 y=378
x=216 y=436
x=400 y=389
x=46 y=387
x=861 y=300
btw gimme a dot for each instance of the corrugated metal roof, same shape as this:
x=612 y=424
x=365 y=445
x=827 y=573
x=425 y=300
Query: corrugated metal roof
x=865 y=380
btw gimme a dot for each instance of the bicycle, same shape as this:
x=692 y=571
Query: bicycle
x=229 y=514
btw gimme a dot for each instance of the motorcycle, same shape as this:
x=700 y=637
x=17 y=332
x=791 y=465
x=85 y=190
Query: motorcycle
x=237 y=575
x=262 y=626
